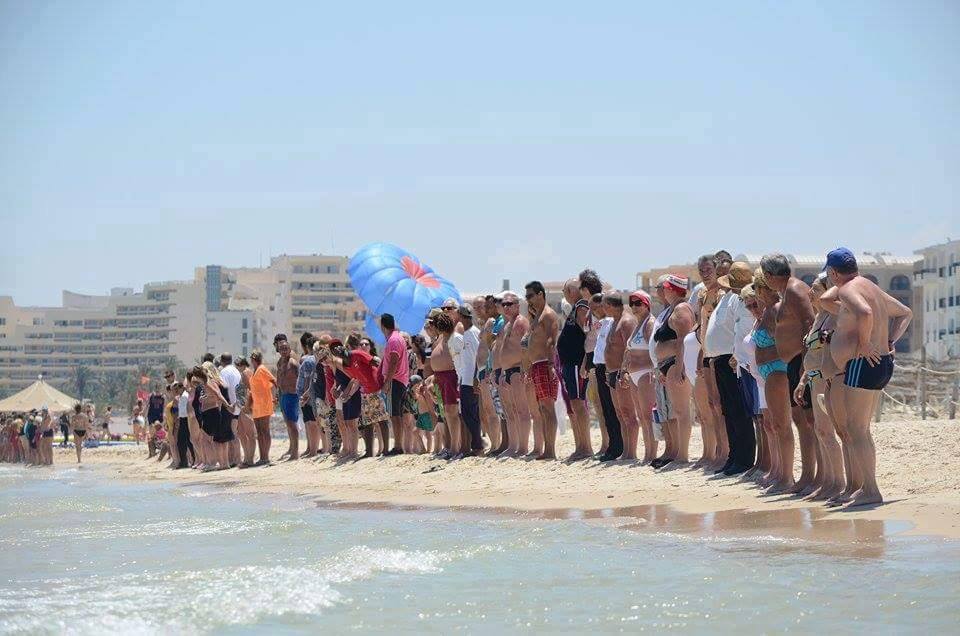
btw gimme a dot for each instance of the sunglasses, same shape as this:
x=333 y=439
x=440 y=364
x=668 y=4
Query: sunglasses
x=508 y=303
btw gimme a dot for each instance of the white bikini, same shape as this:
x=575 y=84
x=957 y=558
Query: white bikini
x=640 y=343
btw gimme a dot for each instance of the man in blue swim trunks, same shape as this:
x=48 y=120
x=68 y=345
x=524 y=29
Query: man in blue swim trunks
x=287 y=371
x=869 y=323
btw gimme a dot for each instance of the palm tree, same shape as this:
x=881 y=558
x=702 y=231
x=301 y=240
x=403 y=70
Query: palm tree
x=82 y=380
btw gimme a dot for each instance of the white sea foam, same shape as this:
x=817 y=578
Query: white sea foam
x=206 y=600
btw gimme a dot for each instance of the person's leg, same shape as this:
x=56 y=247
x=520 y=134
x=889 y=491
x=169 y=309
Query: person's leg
x=806 y=436
x=860 y=405
x=679 y=392
x=701 y=403
x=737 y=422
x=293 y=450
x=593 y=396
x=470 y=410
x=629 y=422
x=533 y=408
x=507 y=392
x=778 y=404
x=521 y=404
x=643 y=400
x=831 y=458
x=612 y=423
x=312 y=430
x=263 y=439
x=718 y=422
x=580 y=423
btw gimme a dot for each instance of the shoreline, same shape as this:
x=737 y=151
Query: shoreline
x=918 y=467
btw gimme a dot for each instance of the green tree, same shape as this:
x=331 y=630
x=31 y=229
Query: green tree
x=82 y=381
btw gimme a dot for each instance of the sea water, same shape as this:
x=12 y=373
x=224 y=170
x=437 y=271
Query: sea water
x=81 y=552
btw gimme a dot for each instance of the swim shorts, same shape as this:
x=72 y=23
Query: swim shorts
x=575 y=386
x=372 y=410
x=449 y=385
x=424 y=423
x=398 y=390
x=859 y=374
x=794 y=372
x=545 y=381
x=308 y=414
x=509 y=373
x=290 y=407
x=351 y=408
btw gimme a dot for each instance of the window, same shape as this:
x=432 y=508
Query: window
x=244 y=338
x=899 y=283
x=244 y=322
x=37 y=322
x=3 y=321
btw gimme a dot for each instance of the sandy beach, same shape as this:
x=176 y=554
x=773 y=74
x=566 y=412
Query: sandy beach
x=918 y=471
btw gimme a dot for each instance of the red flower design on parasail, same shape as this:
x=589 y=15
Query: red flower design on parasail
x=415 y=271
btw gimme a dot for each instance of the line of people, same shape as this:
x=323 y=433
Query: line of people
x=749 y=354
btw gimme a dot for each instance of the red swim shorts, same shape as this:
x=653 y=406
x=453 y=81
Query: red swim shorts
x=449 y=384
x=545 y=381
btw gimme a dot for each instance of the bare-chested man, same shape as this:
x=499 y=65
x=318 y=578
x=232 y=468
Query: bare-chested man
x=869 y=323
x=794 y=316
x=512 y=388
x=288 y=370
x=541 y=347
x=624 y=324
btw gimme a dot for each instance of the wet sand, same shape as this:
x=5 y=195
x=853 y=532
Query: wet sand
x=918 y=471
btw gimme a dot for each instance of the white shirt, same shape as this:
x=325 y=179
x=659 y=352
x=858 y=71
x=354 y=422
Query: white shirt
x=601 y=347
x=183 y=405
x=468 y=356
x=741 y=331
x=231 y=378
x=455 y=344
x=720 y=327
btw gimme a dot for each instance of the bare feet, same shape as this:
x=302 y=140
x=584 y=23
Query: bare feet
x=575 y=457
x=861 y=498
x=543 y=457
x=780 y=487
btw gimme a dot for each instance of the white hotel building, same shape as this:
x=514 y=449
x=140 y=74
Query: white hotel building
x=222 y=309
x=939 y=278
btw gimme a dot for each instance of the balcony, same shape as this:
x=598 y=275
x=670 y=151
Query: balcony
x=926 y=276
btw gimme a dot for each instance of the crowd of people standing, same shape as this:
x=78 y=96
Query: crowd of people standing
x=749 y=354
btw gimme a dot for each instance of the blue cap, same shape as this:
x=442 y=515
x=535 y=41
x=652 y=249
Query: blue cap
x=839 y=258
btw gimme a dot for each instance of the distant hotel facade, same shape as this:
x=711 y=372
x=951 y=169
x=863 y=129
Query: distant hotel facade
x=222 y=309
x=938 y=276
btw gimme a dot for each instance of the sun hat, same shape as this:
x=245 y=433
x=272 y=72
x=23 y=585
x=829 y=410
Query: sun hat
x=739 y=277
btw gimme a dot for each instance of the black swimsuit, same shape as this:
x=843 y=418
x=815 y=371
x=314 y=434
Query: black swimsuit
x=665 y=332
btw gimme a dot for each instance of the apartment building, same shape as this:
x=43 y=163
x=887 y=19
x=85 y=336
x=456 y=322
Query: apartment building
x=938 y=276
x=294 y=294
x=120 y=331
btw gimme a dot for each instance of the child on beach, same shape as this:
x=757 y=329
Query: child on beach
x=160 y=441
x=427 y=411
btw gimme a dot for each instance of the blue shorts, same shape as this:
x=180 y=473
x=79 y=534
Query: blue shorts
x=573 y=383
x=290 y=407
x=860 y=374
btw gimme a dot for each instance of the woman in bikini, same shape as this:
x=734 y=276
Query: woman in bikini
x=677 y=322
x=638 y=376
x=773 y=370
x=80 y=424
x=817 y=368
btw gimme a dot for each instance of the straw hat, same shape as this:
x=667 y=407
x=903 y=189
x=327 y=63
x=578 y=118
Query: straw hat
x=739 y=276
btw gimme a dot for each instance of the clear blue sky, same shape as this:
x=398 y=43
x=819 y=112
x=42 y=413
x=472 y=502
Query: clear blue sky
x=522 y=140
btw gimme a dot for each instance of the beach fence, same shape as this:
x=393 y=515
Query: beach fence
x=922 y=389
